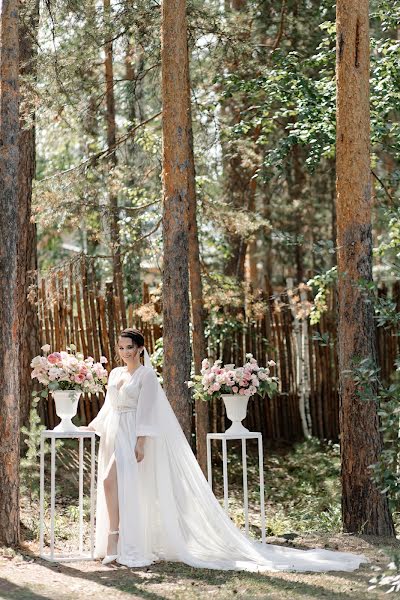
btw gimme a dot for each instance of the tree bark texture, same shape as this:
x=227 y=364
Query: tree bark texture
x=27 y=245
x=364 y=508
x=111 y=139
x=239 y=182
x=176 y=173
x=9 y=326
x=197 y=306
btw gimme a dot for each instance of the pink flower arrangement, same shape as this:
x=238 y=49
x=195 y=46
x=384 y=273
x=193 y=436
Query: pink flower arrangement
x=250 y=379
x=69 y=371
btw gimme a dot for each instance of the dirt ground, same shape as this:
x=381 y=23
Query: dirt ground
x=25 y=576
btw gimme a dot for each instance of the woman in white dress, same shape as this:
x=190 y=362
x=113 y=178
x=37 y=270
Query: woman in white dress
x=153 y=501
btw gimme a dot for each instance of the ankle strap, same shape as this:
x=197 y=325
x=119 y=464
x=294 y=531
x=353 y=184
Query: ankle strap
x=113 y=532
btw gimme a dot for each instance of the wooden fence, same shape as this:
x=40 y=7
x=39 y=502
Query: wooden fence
x=75 y=309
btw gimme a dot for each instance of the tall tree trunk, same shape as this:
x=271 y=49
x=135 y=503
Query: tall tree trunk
x=197 y=305
x=9 y=327
x=300 y=209
x=364 y=508
x=331 y=185
x=238 y=174
x=176 y=173
x=27 y=245
x=111 y=139
x=133 y=111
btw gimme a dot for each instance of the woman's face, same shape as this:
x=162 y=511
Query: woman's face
x=127 y=349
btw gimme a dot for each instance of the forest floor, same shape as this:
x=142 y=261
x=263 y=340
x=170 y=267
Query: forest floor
x=23 y=576
x=302 y=511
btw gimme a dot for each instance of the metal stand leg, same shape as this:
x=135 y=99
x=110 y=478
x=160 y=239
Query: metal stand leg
x=92 y=473
x=80 y=554
x=80 y=495
x=250 y=435
x=262 y=502
x=52 y=495
x=41 y=517
x=245 y=491
x=225 y=474
x=209 y=471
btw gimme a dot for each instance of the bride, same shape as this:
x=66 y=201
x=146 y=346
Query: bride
x=153 y=502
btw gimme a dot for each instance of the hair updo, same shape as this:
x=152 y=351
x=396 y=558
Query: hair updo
x=135 y=335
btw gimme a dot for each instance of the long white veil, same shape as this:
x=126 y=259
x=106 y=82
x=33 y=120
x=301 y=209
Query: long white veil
x=185 y=522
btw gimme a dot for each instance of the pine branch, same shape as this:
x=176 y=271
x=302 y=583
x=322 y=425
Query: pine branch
x=105 y=153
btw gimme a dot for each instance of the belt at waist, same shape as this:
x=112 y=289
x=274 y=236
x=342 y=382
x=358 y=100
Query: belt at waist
x=124 y=409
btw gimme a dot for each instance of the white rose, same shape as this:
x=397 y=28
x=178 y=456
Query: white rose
x=36 y=362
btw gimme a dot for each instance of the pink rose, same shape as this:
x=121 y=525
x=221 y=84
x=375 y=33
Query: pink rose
x=79 y=378
x=103 y=360
x=54 y=358
x=235 y=389
x=99 y=370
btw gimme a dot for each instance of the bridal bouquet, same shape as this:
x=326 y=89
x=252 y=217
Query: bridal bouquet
x=69 y=371
x=216 y=379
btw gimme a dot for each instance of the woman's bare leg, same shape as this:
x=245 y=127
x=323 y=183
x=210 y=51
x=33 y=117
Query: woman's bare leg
x=110 y=484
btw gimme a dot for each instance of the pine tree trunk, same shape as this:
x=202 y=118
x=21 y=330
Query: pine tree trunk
x=364 y=508
x=239 y=181
x=111 y=139
x=197 y=305
x=176 y=173
x=9 y=327
x=27 y=245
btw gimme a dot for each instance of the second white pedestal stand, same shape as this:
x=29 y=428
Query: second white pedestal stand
x=53 y=435
x=224 y=437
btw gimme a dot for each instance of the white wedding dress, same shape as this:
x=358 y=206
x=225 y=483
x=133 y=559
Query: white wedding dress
x=167 y=509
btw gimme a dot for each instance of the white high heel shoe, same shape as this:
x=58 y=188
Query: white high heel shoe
x=110 y=557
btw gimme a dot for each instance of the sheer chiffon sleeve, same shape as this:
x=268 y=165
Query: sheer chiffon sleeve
x=99 y=421
x=146 y=414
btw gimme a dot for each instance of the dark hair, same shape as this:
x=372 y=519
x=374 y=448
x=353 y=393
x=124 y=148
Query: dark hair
x=135 y=335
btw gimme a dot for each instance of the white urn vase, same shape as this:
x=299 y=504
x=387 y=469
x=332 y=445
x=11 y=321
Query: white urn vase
x=236 y=410
x=66 y=402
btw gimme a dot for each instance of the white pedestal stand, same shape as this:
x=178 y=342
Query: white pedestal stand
x=243 y=436
x=53 y=435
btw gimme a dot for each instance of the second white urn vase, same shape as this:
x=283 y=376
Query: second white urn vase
x=66 y=402
x=236 y=410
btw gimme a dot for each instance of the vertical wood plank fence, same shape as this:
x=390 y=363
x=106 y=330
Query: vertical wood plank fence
x=74 y=308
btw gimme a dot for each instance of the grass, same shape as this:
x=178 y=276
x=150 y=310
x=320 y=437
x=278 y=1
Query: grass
x=302 y=489
x=24 y=576
x=302 y=508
